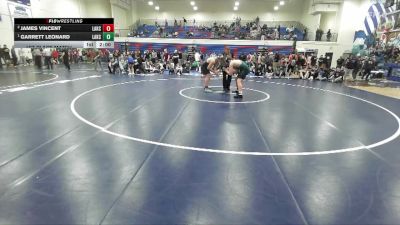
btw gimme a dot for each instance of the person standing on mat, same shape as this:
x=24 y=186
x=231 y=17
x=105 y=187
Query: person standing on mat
x=66 y=60
x=210 y=65
x=240 y=68
x=226 y=79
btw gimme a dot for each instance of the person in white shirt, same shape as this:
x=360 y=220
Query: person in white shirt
x=197 y=59
x=47 y=58
x=21 y=54
x=28 y=56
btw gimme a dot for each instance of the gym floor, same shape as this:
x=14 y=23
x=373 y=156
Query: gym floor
x=84 y=147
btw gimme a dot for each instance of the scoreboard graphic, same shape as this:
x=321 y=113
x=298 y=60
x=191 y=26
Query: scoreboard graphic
x=64 y=32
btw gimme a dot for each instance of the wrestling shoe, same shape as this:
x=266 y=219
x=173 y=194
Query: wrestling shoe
x=208 y=90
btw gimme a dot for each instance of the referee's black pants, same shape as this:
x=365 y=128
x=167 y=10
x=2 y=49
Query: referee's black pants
x=226 y=80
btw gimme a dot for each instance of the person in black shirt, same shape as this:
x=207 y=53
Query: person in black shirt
x=184 y=22
x=14 y=56
x=356 y=67
x=339 y=62
x=65 y=58
x=226 y=79
x=329 y=35
x=305 y=34
x=313 y=60
x=279 y=32
x=159 y=55
x=1 y=58
x=369 y=66
x=180 y=58
x=139 y=68
x=321 y=62
x=6 y=54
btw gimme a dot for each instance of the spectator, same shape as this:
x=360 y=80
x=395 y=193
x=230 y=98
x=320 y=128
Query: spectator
x=22 y=58
x=38 y=58
x=318 y=35
x=339 y=62
x=305 y=34
x=47 y=58
x=175 y=58
x=55 y=55
x=6 y=54
x=329 y=35
x=321 y=62
x=28 y=56
x=356 y=68
x=184 y=22
x=65 y=58
x=1 y=58
x=97 y=61
x=279 y=32
x=350 y=63
x=14 y=56
x=369 y=66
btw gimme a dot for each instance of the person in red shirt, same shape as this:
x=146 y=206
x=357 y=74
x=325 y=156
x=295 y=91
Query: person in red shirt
x=55 y=54
x=166 y=58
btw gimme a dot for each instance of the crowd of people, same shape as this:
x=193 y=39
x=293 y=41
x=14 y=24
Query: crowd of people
x=356 y=66
x=44 y=57
x=263 y=63
x=253 y=30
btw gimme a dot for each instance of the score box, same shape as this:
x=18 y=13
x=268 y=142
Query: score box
x=108 y=36
x=108 y=27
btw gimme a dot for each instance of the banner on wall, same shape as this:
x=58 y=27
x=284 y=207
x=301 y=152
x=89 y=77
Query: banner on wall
x=19 y=10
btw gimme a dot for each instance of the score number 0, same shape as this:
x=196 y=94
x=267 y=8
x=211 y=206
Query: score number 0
x=108 y=27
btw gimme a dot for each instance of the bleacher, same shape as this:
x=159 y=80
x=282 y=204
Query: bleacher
x=151 y=31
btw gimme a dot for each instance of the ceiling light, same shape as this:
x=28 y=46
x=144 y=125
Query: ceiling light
x=276 y=8
x=235 y=8
x=195 y=8
x=236 y=3
x=157 y=8
x=192 y=3
x=282 y=3
x=150 y=2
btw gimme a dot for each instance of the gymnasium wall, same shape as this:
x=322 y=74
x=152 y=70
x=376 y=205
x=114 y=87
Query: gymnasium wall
x=97 y=8
x=5 y=25
x=120 y=16
x=350 y=19
x=221 y=10
x=328 y=21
